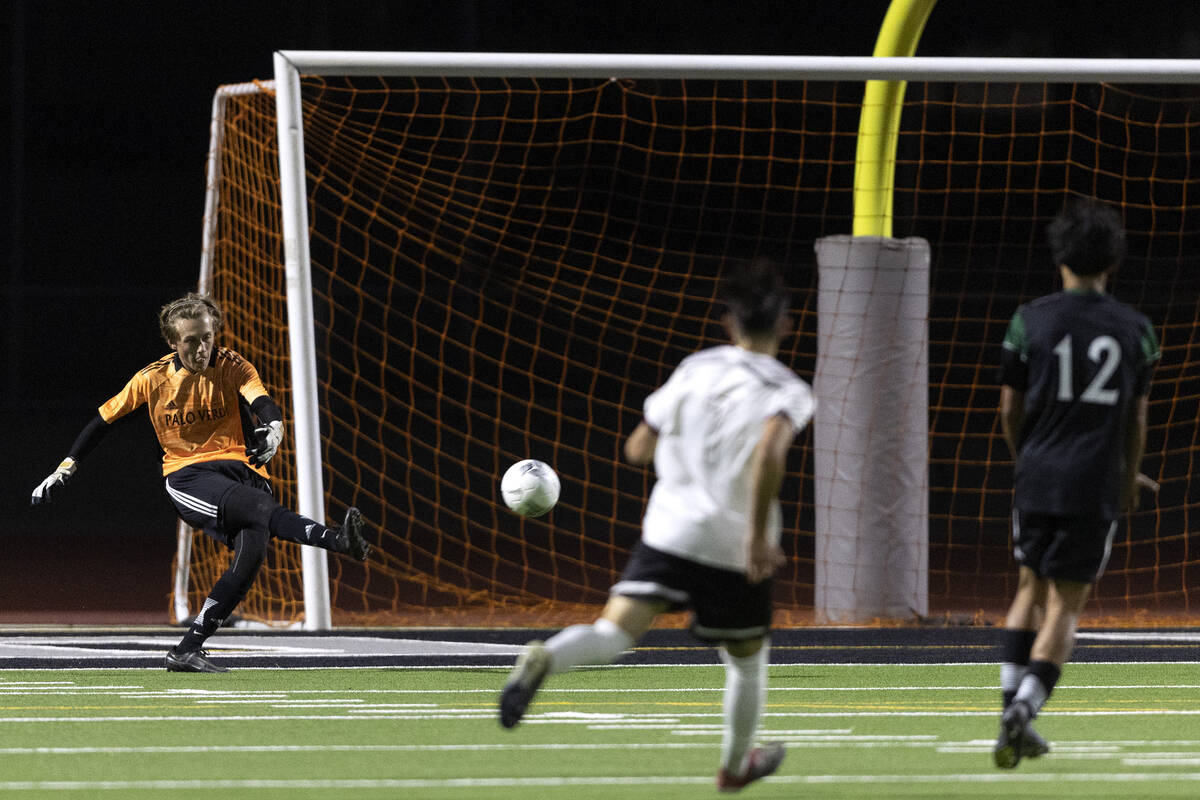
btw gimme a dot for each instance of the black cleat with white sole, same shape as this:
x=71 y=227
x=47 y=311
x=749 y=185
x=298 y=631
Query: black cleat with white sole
x=191 y=661
x=526 y=678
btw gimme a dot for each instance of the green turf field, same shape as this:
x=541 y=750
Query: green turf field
x=1128 y=730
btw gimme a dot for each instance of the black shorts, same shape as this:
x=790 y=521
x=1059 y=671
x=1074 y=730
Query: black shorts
x=1066 y=548
x=725 y=606
x=199 y=490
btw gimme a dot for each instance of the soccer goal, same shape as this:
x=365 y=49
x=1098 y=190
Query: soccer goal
x=491 y=257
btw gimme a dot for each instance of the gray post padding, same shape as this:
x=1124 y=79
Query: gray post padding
x=871 y=428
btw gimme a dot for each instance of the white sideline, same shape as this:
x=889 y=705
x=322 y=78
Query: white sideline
x=569 y=782
x=598 y=721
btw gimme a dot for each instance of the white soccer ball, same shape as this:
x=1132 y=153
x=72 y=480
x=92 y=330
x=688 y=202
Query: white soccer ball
x=530 y=487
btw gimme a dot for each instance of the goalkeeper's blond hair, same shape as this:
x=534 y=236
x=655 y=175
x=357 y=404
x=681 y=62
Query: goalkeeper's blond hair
x=192 y=305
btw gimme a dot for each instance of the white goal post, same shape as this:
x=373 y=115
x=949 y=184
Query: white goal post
x=291 y=64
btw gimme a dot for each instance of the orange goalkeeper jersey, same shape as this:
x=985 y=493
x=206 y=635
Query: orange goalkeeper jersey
x=197 y=415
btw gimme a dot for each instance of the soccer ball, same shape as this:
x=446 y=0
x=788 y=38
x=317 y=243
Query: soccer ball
x=530 y=487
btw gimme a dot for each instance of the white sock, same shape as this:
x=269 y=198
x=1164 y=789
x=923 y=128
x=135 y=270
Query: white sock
x=1011 y=675
x=1032 y=692
x=598 y=643
x=745 y=696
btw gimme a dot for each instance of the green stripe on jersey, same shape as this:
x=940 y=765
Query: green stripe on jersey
x=1150 y=345
x=1014 y=338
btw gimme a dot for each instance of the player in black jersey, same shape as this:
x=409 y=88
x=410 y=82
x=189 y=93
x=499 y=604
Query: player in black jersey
x=1073 y=403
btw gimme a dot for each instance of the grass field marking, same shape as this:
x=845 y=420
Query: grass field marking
x=417 y=715
x=1123 y=686
x=1096 y=744
x=1135 y=636
x=1106 y=743
x=155 y=645
x=138 y=692
x=1141 y=742
x=701 y=727
x=870 y=737
x=806 y=731
x=197 y=691
x=250 y=718
x=226 y=697
x=821 y=664
x=352 y=748
x=6 y=683
x=993 y=777
x=404 y=707
x=67 y=691
x=283 y=698
x=1059 y=750
x=505 y=668
x=557 y=782
x=1089 y=751
x=566 y=718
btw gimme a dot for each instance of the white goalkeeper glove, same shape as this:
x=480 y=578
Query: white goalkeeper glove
x=267 y=438
x=54 y=480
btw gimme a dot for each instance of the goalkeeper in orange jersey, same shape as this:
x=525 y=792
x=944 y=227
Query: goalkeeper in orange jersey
x=1073 y=406
x=218 y=428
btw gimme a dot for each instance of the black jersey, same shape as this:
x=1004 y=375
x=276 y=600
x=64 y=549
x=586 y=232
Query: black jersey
x=1081 y=358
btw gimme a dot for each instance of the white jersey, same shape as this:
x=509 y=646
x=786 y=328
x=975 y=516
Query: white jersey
x=710 y=415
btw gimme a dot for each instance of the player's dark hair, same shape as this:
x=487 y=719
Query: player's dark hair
x=1088 y=237
x=192 y=305
x=754 y=293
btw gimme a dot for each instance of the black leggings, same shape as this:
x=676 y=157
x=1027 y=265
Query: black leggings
x=249 y=553
x=246 y=507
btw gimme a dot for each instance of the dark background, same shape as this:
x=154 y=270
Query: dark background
x=102 y=187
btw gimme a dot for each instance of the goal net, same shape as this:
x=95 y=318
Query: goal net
x=504 y=268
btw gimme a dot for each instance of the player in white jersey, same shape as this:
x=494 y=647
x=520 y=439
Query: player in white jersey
x=718 y=432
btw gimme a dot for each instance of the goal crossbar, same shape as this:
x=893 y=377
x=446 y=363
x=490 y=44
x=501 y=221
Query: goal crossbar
x=743 y=67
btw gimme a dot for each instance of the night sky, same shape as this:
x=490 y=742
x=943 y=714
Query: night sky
x=102 y=184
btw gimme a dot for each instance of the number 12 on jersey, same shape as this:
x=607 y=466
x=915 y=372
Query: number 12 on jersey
x=1103 y=350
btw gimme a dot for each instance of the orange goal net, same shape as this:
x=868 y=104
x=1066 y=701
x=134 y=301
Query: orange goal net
x=505 y=268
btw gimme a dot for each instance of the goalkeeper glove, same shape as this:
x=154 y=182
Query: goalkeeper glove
x=267 y=438
x=54 y=480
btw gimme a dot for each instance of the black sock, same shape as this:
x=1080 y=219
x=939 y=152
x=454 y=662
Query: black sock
x=250 y=551
x=291 y=526
x=1015 y=646
x=203 y=626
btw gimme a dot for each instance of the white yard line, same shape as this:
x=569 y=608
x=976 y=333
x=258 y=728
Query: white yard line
x=615 y=720
x=1139 y=636
x=1016 y=778
x=503 y=668
x=348 y=748
x=267 y=695
x=799 y=739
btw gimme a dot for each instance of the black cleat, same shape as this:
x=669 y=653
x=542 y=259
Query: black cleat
x=350 y=540
x=191 y=661
x=523 y=683
x=1014 y=741
x=1034 y=744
